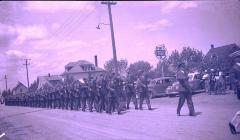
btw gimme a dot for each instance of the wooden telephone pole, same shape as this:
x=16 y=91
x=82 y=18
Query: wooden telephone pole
x=109 y=4
x=26 y=63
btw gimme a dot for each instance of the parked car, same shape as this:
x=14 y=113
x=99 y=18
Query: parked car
x=158 y=86
x=195 y=81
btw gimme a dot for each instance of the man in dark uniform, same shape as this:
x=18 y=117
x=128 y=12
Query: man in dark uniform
x=184 y=90
x=61 y=97
x=76 y=97
x=130 y=91
x=84 y=94
x=142 y=90
x=111 y=90
x=71 y=97
x=102 y=92
x=66 y=98
x=91 y=94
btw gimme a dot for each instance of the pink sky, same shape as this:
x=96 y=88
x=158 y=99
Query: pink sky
x=55 y=33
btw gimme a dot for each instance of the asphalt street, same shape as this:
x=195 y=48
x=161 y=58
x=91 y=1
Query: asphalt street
x=211 y=123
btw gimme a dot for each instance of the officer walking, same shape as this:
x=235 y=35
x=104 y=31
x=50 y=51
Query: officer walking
x=184 y=90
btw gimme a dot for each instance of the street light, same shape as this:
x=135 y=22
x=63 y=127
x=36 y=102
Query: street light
x=98 y=27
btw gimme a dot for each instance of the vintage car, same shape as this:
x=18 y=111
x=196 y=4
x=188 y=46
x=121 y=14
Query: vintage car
x=158 y=86
x=195 y=81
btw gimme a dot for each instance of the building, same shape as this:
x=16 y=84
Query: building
x=82 y=69
x=235 y=56
x=20 y=88
x=218 y=58
x=49 y=80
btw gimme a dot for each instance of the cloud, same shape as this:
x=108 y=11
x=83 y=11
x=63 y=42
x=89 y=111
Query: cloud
x=26 y=33
x=169 y=6
x=15 y=53
x=55 y=26
x=7 y=35
x=55 y=6
x=160 y=24
x=57 y=45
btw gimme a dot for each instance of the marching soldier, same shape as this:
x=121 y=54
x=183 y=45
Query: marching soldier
x=71 y=97
x=84 y=94
x=61 y=98
x=110 y=96
x=66 y=98
x=57 y=98
x=91 y=94
x=130 y=91
x=103 y=93
x=142 y=90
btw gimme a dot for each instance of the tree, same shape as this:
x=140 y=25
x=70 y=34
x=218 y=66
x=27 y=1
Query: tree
x=192 y=57
x=122 y=66
x=166 y=69
x=33 y=87
x=143 y=66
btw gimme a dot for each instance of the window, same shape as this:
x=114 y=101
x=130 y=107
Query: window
x=21 y=90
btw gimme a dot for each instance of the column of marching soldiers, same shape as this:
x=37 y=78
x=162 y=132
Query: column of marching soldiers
x=106 y=93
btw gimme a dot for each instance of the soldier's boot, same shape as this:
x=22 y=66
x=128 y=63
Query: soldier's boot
x=128 y=102
x=148 y=104
x=140 y=104
x=135 y=102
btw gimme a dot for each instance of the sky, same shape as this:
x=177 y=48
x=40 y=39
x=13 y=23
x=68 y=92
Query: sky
x=54 y=33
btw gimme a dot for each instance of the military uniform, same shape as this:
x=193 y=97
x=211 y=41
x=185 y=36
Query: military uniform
x=142 y=90
x=91 y=94
x=184 y=91
x=103 y=94
x=131 y=92
x=84 y=94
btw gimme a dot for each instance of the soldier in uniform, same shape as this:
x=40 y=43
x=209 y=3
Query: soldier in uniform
x=185 y=90
x=130 y=91
x=102 y=92
x=62 y=98
x=76 y=96
x=66 y=98
x=84 y=94
x=57 y=98
x=71 y=97
x=91 y=93
x=142 y=90
x=111 y=96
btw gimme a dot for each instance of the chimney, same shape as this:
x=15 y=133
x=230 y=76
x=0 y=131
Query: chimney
x=212 y=46
x=49 y=75
x=96 y=61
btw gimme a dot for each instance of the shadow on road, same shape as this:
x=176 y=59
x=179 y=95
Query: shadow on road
x=22 y=113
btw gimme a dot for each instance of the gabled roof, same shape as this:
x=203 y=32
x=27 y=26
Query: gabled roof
x=19 y=84
x=222 y=52
x=49 y=80
x=77 y=67
x=235 y=54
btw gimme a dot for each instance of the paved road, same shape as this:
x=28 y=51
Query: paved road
x=215 y=111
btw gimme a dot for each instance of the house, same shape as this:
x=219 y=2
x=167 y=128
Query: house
x=20 y=88
x=218 y=57
x=235 y=56
x=81 y=69
x=49 y=80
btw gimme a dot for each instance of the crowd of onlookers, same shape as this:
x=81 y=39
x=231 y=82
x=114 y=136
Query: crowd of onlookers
x=218 y=83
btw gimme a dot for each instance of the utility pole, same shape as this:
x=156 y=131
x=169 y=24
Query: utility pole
x=109 y=3
x=5 y=77
x=26 y=63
